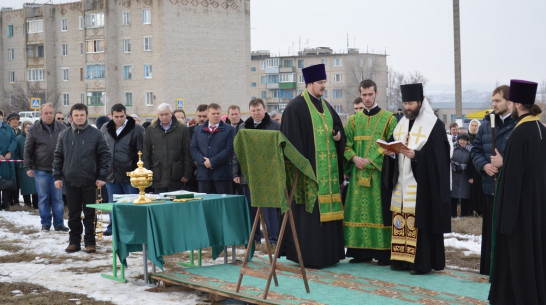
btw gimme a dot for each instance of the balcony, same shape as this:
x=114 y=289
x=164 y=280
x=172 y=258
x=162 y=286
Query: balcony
x=272 y=70
x=287 y=69
x=272 y=86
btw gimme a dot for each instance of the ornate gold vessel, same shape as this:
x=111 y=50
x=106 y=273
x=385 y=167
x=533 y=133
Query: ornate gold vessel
x=141 y=178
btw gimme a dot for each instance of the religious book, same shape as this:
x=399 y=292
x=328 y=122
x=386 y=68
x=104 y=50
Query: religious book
x=395 y=146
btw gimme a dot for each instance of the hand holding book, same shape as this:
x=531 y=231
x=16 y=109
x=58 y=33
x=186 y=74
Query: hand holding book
x=394 y=146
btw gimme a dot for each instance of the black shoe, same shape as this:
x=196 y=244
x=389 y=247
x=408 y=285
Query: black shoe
x=45 y=228
x=416 y=272
x=398 y=268
x=360 y=260
x=62 y=228
x=383 y=262
x=107 y=233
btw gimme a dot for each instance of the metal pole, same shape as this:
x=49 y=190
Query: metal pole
x=457 y=45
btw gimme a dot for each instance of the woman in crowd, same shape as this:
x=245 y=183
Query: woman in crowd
x=460 y=191
x=26 y=183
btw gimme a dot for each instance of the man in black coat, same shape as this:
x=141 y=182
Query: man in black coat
x=124 y=137
x=82 y=161
x=315 y=129
x=518 y=275
x=417 y=180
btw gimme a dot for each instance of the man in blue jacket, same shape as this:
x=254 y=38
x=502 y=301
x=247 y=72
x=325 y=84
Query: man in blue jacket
x=212 y=150
x=482 y=151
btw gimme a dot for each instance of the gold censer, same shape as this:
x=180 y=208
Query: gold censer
x=141 y=178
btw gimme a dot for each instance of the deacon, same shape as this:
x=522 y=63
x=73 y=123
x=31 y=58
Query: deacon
x=518 y=275
x=419 y=180
x=314 y=128
x=367 y=228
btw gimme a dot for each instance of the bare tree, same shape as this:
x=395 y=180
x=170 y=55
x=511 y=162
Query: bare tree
x=542 y=101
x=394 y=80
x=18 y=97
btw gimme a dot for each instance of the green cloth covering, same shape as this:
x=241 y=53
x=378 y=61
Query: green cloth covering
x=261 y=154
x=363 y=218
x=172 y=227
x=329 y=200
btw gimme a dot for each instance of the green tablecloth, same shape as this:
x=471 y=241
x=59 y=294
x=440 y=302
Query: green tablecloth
x=173 y=227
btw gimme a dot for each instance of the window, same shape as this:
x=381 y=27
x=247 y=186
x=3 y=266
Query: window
x=272 y=62
x=338 y=62
x=338 y=108
x=64 y=25
x=286 y=77
x=64 y=49
x=35 y=26
x=325 y=95
x=95 y=72
x=94 y=98
x=370 y=62
x=147 y=16
x=274 y=93
x=262 y=65
x=324 y=61
x=300 y=63
x=264 y=94
x=80 y=26
x=81 y=47
x=147 y=71
x=300 y=78
x=338 y=77
x=263 y=79
x=35 y=75
x=64 y=73
x=12 y=76
x=10 y=54
x=82 y=98
x=128 y=99
x=287 y=63
x=66 y=99
x=252 y=69
x=127 y=72
x=10 y=30
x=95 y=46
x=40 y=50
x=338 y=93
x=362 y=62
x=127 y=45
x=147 y=43
x=272 y=79
x=35 y=51
x=253 y=84
x=125 y=18
x=149 y=98
x=94 y=20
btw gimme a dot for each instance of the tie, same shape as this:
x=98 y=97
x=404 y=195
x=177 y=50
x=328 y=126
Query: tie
x=212 y=129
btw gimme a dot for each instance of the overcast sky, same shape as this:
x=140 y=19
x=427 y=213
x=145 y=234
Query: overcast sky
x=500 y=39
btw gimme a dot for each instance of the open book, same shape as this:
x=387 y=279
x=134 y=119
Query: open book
x=395 y=146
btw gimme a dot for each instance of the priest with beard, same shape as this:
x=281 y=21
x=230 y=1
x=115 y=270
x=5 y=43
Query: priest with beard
x=416 y=186
x=518 y=274
x=315 y=129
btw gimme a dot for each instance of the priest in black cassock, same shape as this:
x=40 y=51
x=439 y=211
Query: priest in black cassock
x=518 y=275
x=416 y=186
x=314 y=128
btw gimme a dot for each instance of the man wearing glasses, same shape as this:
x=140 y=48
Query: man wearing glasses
x=59 y=116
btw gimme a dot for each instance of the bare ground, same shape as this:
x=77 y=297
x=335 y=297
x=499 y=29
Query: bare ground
x=27 y=293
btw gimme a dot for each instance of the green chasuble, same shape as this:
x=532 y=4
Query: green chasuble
x=363 y=220
x=329 y=198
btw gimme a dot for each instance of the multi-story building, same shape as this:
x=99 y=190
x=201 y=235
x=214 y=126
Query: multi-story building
x=279 y=79
x=138 y=53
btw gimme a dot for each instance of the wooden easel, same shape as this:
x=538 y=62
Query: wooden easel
x=246 y=270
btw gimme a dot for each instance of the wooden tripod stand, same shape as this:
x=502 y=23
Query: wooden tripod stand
x=246 y=270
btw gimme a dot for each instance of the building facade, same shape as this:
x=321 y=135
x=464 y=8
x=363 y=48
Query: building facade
x=136 y=52
x=277 y=80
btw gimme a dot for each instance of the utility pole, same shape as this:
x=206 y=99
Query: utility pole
x=457 y=45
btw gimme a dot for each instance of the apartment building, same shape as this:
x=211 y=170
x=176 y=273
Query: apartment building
x=279 y=79
x=136 y=52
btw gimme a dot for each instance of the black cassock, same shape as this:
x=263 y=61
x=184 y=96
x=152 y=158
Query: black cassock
x=431 y=168
x=321 y=244
x=518 y=274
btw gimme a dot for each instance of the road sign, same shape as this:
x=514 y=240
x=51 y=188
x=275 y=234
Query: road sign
x=35 y=103
x=180 y=103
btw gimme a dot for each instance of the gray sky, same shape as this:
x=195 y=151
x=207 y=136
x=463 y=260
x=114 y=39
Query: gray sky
x=500 y=39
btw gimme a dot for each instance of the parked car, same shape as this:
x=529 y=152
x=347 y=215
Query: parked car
x=31 y=116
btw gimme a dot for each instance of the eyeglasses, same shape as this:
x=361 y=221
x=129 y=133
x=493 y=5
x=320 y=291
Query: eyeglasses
x=60 y=119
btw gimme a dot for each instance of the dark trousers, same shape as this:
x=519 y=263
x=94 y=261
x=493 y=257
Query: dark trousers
x=485 y=258
x=215 y=186
x=78 y=198
x=466 y=209
x=31 y=200
x=6 y=200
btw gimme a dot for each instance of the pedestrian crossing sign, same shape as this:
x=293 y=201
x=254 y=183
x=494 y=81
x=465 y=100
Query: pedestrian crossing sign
x=35 y=103
x=179 y=103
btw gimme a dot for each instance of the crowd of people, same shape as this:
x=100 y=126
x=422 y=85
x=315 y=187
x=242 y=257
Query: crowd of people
x=397 y=202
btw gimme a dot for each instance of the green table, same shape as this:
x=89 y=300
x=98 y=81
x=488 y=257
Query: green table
x=108 y=208
x=170 y=227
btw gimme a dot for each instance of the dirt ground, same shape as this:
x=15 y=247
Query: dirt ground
x=36 y=294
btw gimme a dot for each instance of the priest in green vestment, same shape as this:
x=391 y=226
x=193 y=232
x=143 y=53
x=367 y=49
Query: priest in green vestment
x=367 y=226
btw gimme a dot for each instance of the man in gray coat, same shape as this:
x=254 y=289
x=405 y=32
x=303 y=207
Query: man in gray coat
x=39 y=147
x=166 y=151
